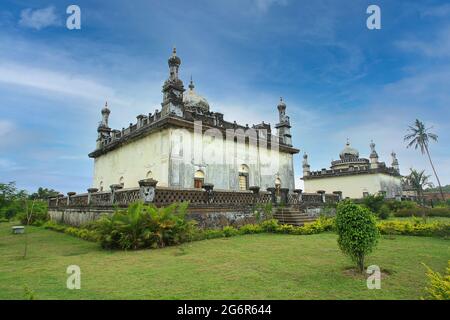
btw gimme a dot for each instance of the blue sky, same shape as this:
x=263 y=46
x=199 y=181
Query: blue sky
x=338 y=79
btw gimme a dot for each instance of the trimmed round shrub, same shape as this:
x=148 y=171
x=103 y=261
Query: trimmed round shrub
x=357 y=231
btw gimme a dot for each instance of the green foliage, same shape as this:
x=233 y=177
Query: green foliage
x=83 y=233
x=373 y=202
x=384 y=212
x=263 y=212
x=12 y=200
x=416 y=227
x=229 y=231
x=270 y=225
x=439 y=286
x=357 y=231
x=395 y=205
x=146 y=226
x=35 y=213
x=423 y=212
x=250 y=229
x=43 y=194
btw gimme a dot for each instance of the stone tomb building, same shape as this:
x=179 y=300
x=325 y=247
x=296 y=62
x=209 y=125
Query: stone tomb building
x=356 y=177
x=186 y=145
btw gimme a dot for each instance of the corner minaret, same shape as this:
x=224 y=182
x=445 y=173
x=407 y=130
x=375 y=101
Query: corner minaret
x=306 y=167
x=284 y=126
x=173 y=89
x=373 y=156
x=395 y=162
x=104 y=131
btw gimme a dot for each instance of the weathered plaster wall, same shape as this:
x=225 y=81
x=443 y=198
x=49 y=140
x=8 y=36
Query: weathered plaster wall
x=174 y=155
x=212 y=218
x=354 y=186
x=133 y=161
x=220 y=160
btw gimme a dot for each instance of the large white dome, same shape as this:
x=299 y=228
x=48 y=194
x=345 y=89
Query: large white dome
x=193 y=100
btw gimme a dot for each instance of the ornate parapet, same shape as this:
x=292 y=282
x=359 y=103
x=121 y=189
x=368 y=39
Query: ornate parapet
x=148 y=192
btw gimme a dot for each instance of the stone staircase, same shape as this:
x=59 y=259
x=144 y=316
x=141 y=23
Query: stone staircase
x=293 y=216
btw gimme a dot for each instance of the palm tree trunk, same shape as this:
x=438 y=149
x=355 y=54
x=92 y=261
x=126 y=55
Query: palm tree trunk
x=435 y=174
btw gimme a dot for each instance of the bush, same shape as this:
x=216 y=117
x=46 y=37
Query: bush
x=85 y=234
x=414 y=228
x=423 y=212
x=250 y=229
x=384 y=212
x=439 y=287
x=37 y=213
x=357 y=231
x=373 y=202
x=270 y=225
x=229 y=231
x=395 y=205
x=146 y=226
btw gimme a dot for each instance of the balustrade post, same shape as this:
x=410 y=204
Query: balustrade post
x=209 y=187
x=114 y=188
x=90 y=192
x=58 y=197
x=147 y=190
x=322 y=193
x=255 y=190
x=284 y=192
x=299 y=194
x=70 y=194
x=272 y=194
x=339 y=195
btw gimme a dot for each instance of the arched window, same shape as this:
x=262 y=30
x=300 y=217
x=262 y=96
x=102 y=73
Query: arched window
x=149 y=175
x=243 y=177
x=100 y=186
x=199 y=178
x=121 y=181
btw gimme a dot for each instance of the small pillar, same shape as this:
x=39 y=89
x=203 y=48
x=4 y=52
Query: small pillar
x=58 y=197
x=299 y=194
x=272 y=194
x=209 y=187
x=322 y=193
x=284 y=195
x=147 y=190
x=114 y=188
x=339 y=194
x=255 y=190
x=69 y=195
x=90 y=192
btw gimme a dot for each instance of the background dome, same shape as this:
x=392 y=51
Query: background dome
x=348 y=152
x=193 y=100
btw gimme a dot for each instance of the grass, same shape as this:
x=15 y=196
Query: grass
x=262 y=266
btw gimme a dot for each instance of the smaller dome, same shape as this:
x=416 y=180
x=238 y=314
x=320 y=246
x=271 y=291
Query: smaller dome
x=106 y=109
x=174 y=59
x=193 y=100
x=348 y=152
x=281 y=104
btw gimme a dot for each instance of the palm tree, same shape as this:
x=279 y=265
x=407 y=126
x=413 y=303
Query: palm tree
x=418 y=137
x=419 y=181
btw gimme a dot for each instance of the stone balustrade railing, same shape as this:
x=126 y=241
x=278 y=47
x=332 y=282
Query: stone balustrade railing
x=206 y=197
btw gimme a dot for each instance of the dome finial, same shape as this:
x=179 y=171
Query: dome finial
x=191 y=84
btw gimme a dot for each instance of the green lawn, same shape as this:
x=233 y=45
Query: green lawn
x=263 y=266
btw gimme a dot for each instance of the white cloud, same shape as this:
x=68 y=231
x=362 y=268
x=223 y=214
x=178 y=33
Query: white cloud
x=437 y=11
x=39 y=19
x=6 y=130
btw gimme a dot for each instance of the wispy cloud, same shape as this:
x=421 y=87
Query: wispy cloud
x=264 y=5
x=6 y=130
x=56 y=82
x=39 y=18
x=436 y=47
